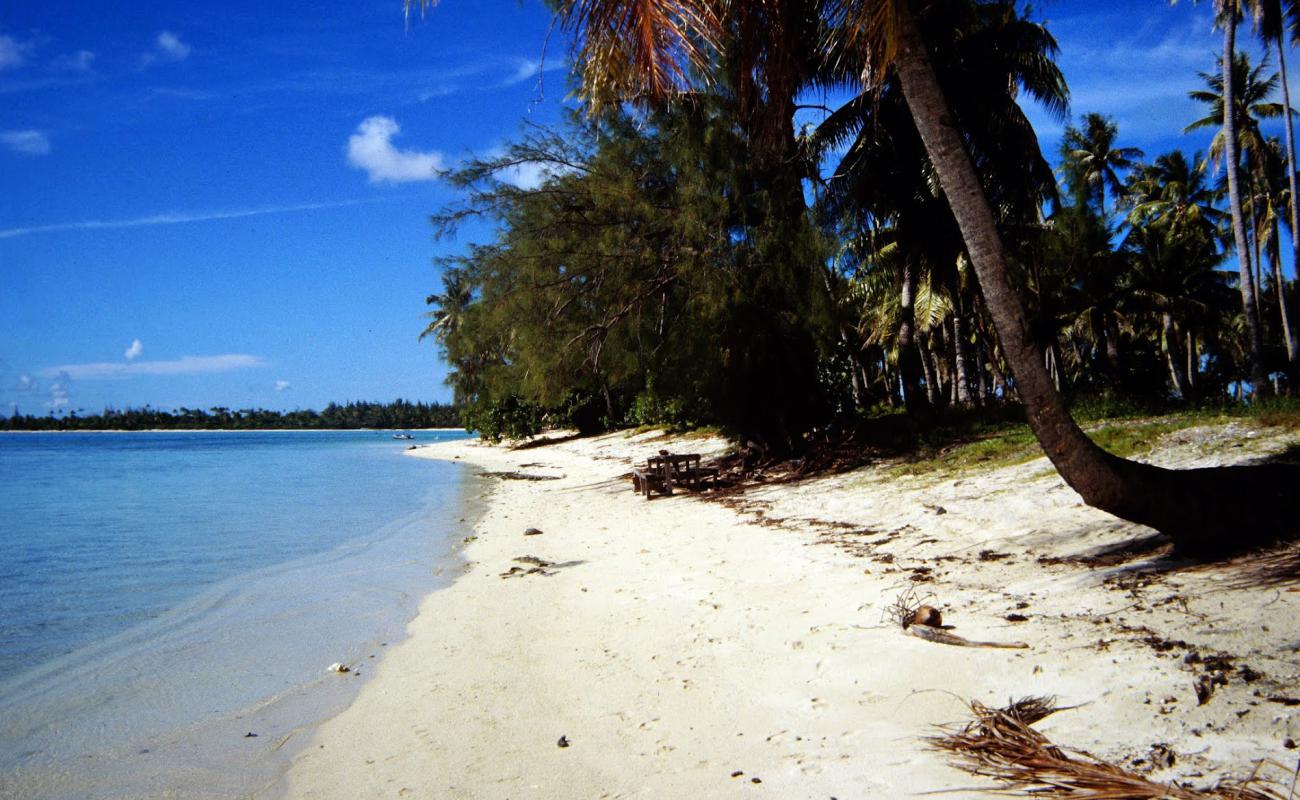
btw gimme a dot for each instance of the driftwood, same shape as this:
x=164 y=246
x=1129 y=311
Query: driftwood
x=941 y=636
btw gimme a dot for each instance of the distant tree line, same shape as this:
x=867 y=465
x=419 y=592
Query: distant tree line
x=353 y=415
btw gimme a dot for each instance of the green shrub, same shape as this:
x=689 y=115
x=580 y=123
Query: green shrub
x=511 y=418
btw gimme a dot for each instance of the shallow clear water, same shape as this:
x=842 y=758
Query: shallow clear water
x=164 y=594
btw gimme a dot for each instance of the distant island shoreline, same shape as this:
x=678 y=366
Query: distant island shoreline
x=356 y=415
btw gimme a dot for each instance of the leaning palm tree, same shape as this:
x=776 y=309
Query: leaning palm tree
x=986 y=55
x=652 y=51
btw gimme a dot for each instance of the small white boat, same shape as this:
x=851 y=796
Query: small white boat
x=403 y=436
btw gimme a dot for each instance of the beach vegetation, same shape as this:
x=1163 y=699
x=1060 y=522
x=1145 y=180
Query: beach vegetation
x=694 y=252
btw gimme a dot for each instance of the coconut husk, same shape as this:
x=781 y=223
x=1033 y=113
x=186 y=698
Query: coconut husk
x=1000 y=744
x=909 y=608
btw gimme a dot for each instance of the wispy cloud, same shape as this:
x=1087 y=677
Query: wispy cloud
x=134 y=350
x=13 y=53
x=27 y=143
x=185 y=365
x=167 y=47
x=80 y=61
x=530 y=69
x=371 y=149
x=173 y=218
x=280 y=386
x=59 y=395
x=1100 y=52
x=171 y=45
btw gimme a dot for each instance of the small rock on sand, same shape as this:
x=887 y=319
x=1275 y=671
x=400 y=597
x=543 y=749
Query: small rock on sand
x=532 y=532
x=339 y=668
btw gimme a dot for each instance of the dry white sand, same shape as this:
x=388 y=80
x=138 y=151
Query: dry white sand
x=692 y=648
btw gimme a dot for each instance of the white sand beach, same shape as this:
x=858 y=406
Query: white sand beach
x=688 y=647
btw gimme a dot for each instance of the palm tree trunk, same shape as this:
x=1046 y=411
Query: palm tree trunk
x=928 y=370
x=1279 y=285
x=1170 y=340
x=1255 y=343
x=1292 y=350
x=1186 y=504
x=909 y=371
x=1253 y=234
x=961 y=346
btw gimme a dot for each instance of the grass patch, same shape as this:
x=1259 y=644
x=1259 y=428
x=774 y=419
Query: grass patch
x=1007 y=447
x=945 y=451
x=1137 y=438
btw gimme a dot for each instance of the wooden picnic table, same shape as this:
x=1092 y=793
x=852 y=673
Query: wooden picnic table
x=666 y=469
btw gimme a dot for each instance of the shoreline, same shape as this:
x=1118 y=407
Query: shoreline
x=677 y=642
x=163 y=705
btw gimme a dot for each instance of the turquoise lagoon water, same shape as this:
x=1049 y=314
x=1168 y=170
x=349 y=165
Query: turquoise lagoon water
x=162 y=595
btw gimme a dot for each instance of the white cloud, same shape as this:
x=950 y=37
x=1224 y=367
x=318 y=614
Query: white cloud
x=167 y=47
x=280 y=386
x=527 y=174
x=371 y=148
x=172 y=46
x=28 y=143
x=531 y=70
x=27 y=383
x=185 y=365
x=133 y=352
x=80 y=61
x=13 y=53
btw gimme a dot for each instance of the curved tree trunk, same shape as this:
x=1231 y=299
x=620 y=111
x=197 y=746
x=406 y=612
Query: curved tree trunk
x=1255 y=343
x=1188 y=504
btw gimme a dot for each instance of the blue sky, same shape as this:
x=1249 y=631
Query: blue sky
x=226 y=204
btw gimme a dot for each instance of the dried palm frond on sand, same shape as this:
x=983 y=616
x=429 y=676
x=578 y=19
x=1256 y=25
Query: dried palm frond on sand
x=999 y=744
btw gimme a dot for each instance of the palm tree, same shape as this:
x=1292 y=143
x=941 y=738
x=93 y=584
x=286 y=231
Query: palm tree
x=1272 y=18
x=985 y=55
x=651 y=50
x=1247 y=93
x=1173 y=243
x=449 y=307
x=1271 y=198
x=1092 y=163
x=1228 y=14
